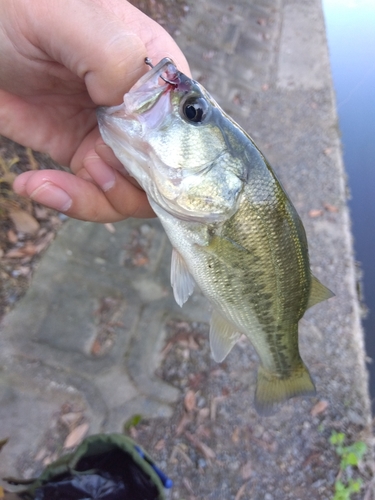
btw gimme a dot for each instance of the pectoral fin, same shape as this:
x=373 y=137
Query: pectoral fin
x=181 y=280
x=318 y=292
x=223 y=337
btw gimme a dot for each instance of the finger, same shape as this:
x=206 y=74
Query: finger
x=79 y=198
x=108 y=156
x=110 y=181
x=103 y=42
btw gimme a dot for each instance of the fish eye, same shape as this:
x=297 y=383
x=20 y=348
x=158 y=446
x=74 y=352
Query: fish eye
x=195 y=109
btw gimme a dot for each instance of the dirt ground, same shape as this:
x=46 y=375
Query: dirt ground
x=27 y=228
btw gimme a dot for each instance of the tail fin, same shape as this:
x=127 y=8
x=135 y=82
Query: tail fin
x=271 y=389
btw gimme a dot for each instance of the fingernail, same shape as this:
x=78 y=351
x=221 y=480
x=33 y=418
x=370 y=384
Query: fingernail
x=52 y=196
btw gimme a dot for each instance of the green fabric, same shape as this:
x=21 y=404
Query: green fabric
x=99 y=444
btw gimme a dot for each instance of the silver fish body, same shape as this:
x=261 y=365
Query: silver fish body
x=233 y=229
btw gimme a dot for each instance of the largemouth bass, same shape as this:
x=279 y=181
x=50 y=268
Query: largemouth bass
x=233 y=229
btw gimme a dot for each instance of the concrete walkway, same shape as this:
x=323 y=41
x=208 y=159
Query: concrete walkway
x=86 y=339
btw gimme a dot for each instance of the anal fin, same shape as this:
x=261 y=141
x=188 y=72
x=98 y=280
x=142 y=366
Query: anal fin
x=181 y=280
x=223 y=336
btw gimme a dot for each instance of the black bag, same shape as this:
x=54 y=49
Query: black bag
x=103 y=467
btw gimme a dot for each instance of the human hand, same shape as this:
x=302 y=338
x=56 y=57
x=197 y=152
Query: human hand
x=59 y=61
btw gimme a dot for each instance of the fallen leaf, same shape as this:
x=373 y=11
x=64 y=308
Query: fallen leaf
x=236 y=435
x=71 y=419
x=180 y=449
x=49 y=459
x=193 y=344
x=160 y=445
x=41 y=212
x=320 y=407
x=18 y=253
x=203 y=413
x=240 y=492
x=44 y=242
x=190 y=401
x=110 y=227
x=22 y=271
x=42 y=453
x=12 y=237
x=24 y=222
x=32 y=161
x=213 y=406
x=207 y=452
x=330 y=208
x=203 y=431
x=185 y=420
x=132 y=422
x=3 y=442
x=76 y=436
x=315 y=212
x=187 y=485
x=246 y=471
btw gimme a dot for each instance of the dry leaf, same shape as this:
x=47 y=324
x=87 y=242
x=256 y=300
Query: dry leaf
x=18 y=253
x=71 y=419
x=240 y=492
x=12 y=237
x=331 y=208
x=44 y=242
x=42 y=453
x=203 y=413
x=246 y=471
x=32 y=161
x=41 y=212
x=214 y=403
x=178 y=450
x=207 y=452
x=76 y=436
x=190 y=401
x=236 y=435
x=160 y=445
x=110 y=227
x=320 y=407
x=24 y=222
x=185 y=420
x=315 y=212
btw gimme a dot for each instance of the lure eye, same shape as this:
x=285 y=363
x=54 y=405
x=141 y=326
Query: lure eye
x=195 y=109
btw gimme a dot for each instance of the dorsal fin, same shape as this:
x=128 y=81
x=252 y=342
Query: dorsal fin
x=318 y=292
x=223 y=336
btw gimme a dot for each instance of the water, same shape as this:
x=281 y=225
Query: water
x=351 y=39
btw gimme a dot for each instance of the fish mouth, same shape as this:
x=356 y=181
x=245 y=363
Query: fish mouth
x=159 y=80
x=165 y=70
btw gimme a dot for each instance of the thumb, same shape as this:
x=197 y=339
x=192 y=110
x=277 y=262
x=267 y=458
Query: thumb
x=103 y=42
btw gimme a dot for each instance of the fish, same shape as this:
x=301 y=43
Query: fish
x=234 y=231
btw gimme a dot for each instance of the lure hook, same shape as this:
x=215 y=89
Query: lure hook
x=149 y=63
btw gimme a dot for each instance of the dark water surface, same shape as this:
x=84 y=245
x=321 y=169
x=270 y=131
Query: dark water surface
x=351 y=39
